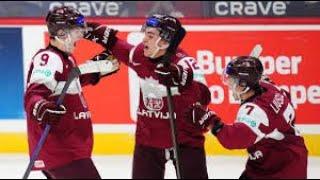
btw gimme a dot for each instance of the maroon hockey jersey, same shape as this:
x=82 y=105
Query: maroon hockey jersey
x=153 y=127
x=72 y=138
x=265 y=127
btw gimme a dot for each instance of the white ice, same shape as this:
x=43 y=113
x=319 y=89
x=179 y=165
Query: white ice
x=12 y=166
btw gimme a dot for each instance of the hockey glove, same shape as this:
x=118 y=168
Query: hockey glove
x=106 y=63
x=203 y=118
x=171 y=75
x=47 y=112
x=101 y=34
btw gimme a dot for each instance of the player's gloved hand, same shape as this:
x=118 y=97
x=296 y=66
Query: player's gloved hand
x=202 y=117
x=101 y=34
x=47 y=112
x=170 y=75
x=107 y=63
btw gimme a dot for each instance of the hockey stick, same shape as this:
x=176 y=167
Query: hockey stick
x=86 y=68
x=256 y=51
x=74 y=73
x=173 y=127
x=166 y=61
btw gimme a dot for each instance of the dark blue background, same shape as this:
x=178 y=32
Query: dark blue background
x=11 y=78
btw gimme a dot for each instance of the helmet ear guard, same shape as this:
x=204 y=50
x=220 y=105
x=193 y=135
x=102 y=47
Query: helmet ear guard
x=164 y=46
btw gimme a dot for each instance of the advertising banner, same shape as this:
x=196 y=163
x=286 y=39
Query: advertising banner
x=289 y=56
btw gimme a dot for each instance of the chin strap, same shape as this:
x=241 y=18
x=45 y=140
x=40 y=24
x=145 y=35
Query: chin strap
x=237 y=95
x=67 y=43
x=158 y=48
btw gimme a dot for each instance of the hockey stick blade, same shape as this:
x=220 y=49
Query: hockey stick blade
x=256 y=51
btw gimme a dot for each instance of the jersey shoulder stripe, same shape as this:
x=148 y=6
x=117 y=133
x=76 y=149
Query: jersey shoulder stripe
x=45 y=65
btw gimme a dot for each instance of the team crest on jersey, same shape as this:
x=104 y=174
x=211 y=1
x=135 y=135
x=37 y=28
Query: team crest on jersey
x=153 y=103
x=277 y=102
x=153 y=93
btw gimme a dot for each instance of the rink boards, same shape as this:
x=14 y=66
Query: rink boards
x=290 y=58
x=119 y=139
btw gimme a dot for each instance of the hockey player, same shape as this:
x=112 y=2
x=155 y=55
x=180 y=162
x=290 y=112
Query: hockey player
x=265 y=124
x=153 y=138
x=67 y=151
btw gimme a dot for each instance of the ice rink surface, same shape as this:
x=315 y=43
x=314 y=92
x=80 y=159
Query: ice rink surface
x=12 y=166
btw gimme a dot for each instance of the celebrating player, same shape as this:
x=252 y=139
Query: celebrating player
x=66 y=153
x=265 y=124
x=153 y=136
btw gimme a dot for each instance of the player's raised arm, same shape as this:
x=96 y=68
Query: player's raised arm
x=105 y=36
x=99 y=66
